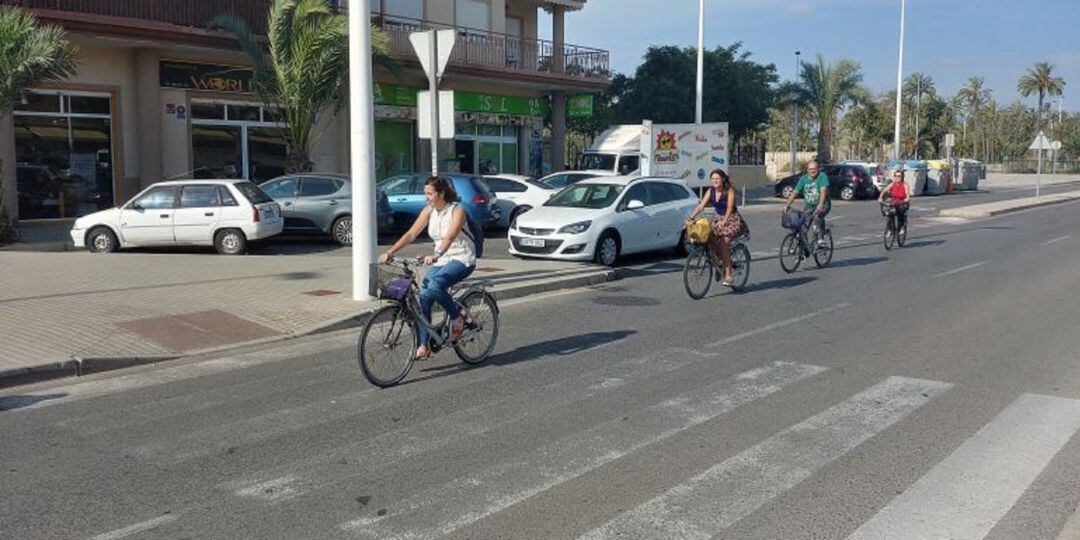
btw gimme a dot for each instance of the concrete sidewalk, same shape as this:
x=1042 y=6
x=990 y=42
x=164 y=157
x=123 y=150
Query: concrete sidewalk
x=70 y=313
x=985 y=210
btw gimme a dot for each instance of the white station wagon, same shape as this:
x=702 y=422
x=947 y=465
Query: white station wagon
x=226 y=214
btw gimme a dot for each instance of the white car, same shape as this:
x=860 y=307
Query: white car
x=226 y=214
x=517 y=195
x=562 y=179
x=601 y=219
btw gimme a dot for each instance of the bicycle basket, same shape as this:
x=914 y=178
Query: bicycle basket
x=390 y=284
x=791 y=220
x=698 y=232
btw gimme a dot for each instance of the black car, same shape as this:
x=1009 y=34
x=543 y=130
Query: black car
x=846 y=182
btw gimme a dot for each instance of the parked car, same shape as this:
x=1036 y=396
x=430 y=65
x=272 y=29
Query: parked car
x=604 y=218
x=406 y=194
x=226 y=214
x=562 y=179
x=516 y=195
x=321 y=203
x=878 y=176
x=847 y=182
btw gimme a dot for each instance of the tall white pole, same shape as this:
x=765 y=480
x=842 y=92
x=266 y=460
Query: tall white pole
x=899 y=85
x=918 y=112
x=795 y=124
x=362 y=149
x=433 y=88
x=700 y=60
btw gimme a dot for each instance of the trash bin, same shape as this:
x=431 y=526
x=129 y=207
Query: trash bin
x=938 y=177
x=915 y=173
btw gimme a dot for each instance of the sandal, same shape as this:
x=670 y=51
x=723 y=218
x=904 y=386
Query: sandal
x=422 y=353
x=457 y=327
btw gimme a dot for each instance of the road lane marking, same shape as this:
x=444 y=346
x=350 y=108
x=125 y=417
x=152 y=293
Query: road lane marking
x=776 y=325
x=1056 y=240
x=137 y=528
x=446 y=508
x=961 y=269
x=966 y=494
x=733 y=489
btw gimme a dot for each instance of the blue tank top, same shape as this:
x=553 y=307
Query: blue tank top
x=721 y=205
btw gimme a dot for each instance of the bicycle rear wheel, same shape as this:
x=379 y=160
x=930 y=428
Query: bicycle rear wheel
x=790 y=253
x=698 y=273
x=481 y=327
x=824 y=252
x=740 y=263
x=387 y=346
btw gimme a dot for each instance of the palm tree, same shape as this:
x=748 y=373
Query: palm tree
x=306 y=73
x=916 y=87
x=974 y=95
x=827 y=88
x=30 y=54
x=1040 y=80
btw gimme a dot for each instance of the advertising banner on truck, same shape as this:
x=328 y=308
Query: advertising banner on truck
x=684 y=151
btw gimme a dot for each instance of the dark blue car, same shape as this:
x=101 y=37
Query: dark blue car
x=406 y=194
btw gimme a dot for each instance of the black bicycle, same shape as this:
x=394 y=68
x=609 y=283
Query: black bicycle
x=388 y=342
x=895 y=226
x=804 y=241
x=702 y=266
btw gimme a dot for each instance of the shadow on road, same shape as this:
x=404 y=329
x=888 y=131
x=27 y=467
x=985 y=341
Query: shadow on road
x=557 y=347
x=860 y=261
x=923 y=243
x=8 y=403
x=779 y=284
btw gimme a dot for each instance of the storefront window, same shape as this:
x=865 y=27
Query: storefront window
x=490 y=159
x=64 y=161
x=232 y=140
x=207 y=111
x=266 y=154
x=218 y=151
x=393 y=148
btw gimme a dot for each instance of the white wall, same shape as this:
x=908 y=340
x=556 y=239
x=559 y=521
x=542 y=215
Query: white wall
x=175 y=134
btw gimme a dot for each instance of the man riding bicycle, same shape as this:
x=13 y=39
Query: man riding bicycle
x=814 y=185
x=899 y=195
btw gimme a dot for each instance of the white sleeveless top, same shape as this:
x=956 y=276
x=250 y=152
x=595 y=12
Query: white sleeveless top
x=461 y=249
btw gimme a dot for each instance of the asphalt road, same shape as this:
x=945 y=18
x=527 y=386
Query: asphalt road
x=928 y=392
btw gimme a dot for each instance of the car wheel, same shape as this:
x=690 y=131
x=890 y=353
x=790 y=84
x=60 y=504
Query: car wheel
x=847 y=193
x=101 y=240
x=341 y=231
x=786 y=191
x=680 y=248
x=230 y=242
x=607 y=249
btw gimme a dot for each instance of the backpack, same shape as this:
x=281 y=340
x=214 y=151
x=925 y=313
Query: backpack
x=475 y=232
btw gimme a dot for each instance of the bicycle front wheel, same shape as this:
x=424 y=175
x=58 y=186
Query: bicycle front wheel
x=740 y=263
x=790 y=253
x=823 y=255
x=888 y=237
x=698 y=273
x=481 y=327
x=387 y=346
x=901 y=235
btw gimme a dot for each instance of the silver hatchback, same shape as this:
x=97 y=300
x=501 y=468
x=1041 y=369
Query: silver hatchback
x=321 y=203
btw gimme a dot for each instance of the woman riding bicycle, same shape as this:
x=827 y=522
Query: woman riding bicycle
x=727 y=224
x=899 y=196
x=454 y=258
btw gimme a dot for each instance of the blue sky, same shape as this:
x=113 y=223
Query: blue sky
x=950 y=40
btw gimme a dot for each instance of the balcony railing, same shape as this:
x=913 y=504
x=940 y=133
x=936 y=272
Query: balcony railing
x=184 y=13
x=481 y=48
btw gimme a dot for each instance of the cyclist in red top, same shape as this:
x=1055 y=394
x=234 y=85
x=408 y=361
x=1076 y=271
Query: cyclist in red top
x=899 y=195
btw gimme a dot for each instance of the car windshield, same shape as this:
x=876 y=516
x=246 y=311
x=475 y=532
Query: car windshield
x=586 y=196
x=536 y=183
x=253 y=193
x=603 y=162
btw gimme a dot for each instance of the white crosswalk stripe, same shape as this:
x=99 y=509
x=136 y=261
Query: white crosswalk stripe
x=966 y=494
x=449 y=507
x=731 y=490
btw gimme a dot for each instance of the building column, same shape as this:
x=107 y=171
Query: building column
x=7 y=161
x=558 y=131
x=558 y=32
x=148 y=86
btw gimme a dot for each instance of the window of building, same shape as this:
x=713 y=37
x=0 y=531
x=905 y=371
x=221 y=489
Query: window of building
x=63 y=154
x=473 y=14
x=236 y=140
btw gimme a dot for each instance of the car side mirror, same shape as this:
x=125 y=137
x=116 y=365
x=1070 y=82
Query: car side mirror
x=635 y=205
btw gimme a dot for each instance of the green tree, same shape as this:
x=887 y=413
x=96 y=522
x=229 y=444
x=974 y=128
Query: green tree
x=974 y=96
x=1040 y=80
x=737 y=89
x=829 y=88
x=918 y=87
x=306 y=73
x=30 y=54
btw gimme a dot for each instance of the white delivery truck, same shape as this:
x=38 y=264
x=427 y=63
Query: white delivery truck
x=684 y=151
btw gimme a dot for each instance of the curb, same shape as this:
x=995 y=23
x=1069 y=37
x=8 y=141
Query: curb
x=996 y=209
x=76 y=366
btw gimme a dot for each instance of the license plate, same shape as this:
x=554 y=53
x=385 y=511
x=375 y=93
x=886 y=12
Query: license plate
x=532 y=242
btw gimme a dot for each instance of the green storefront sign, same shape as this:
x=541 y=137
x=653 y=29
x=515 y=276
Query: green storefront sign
x=579 y=106
x=401 y=96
